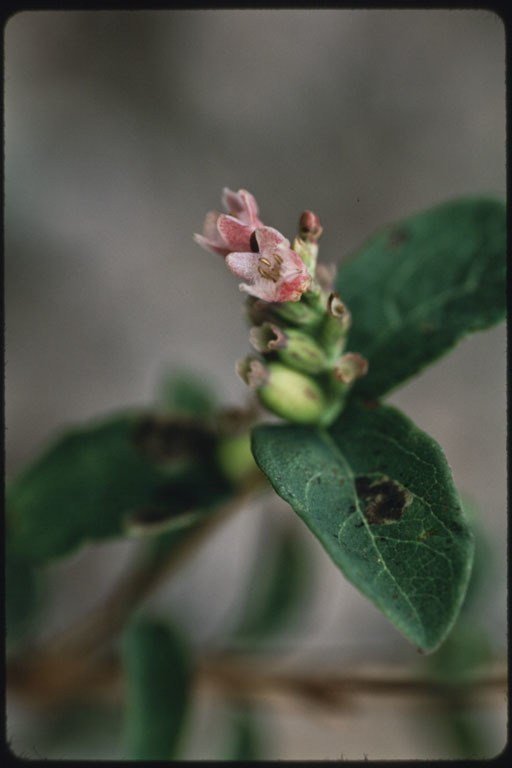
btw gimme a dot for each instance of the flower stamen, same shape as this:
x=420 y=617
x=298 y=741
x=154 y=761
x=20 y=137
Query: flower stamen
x=269 y=274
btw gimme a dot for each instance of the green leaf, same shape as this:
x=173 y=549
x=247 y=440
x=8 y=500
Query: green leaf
x=466 y=655
x=189 y=395
x=245 y=741
x=130 y=474
x=418 y=287
x=279 y=584
x=378 y=494
x=158 y=674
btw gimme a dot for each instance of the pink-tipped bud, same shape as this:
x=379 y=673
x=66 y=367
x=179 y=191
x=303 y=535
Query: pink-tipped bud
x=310 y=228
x=267 y=337
x=350 y=367
x=252 y=371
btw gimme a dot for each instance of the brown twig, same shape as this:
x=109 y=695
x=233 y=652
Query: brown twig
x=53 y=680
x=79 y=663
x=140 y=580
x=241 y=678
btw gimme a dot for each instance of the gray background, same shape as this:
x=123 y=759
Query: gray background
x=121 y=128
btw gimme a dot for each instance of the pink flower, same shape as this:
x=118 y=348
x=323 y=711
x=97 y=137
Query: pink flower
x=275 y=272
x=224 y=233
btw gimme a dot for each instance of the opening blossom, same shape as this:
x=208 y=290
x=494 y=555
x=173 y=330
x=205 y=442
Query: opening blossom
x=259 y=255
x=224 y=233
x=275 y=272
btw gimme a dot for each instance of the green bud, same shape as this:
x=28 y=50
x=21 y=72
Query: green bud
x=335 y=326
x=295 y=348
x=337 y=309
x=297 y=312
x=292 y=395
x=235 y=457
x=308 y=251
x=300 y=351
x=267 y=337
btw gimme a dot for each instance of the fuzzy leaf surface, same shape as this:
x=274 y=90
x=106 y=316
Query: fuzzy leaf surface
x=378 y=494
x=419 y=286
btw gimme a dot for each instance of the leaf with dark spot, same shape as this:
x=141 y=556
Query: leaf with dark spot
x=106 y=478
x=374 y=525
x=384 y=500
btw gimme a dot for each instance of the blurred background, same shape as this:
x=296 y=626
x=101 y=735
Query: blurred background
x=121 y=129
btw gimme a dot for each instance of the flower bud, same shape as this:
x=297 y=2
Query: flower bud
x=337 y=309
x=310 y=228
x=298 y=313
x=267 y=337
x=300 y=351
x=350 y=367
x=252 y=371
x=235 y=458
x=292 y=395
x=308 y=252
x=335 y=326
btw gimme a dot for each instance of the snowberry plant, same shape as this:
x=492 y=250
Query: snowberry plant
x=375 y=490
x=300 y=323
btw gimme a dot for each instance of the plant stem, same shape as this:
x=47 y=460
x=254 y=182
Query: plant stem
x=53 y=680
x=140 y=580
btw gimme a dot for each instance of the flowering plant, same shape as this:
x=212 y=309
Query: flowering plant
x=306 y=377
x=375 y=490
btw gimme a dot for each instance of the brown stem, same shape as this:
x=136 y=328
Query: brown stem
x=53 y=680
x=332 y=690
x=142 y=578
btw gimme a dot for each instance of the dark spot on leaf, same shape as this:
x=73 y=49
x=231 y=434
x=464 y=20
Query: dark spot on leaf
x=150 y=515
x=165 y=439
x=427 y=534
x=397 y=237
x=384 y=500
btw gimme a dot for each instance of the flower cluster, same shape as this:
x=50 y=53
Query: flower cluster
x=259 y=255
x=299 y=324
